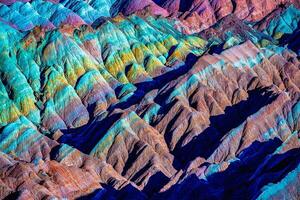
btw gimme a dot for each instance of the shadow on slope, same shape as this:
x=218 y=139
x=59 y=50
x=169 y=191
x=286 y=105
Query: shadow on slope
x=255 y=167
x=110 y=193
x=206 y=142
x=158 y=82
x=243 y=179
x=86 y=137
x=292 y=40
x=155 y=183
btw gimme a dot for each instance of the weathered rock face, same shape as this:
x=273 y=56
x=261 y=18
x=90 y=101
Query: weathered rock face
x=106 y=100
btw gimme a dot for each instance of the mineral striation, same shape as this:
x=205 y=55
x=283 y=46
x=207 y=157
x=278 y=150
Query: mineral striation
x=152 y=99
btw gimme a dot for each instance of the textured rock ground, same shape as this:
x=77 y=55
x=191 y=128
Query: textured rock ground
x=149 y=99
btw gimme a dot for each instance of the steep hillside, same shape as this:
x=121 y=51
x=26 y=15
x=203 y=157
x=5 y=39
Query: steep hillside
x=149 y=99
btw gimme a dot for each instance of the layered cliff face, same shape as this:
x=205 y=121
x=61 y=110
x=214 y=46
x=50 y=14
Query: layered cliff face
x=118 y=100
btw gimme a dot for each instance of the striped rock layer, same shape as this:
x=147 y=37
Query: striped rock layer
x=117 y=100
